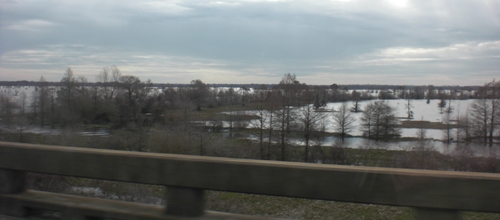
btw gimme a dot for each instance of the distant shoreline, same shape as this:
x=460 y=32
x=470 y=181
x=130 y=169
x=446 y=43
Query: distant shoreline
x=252 y=85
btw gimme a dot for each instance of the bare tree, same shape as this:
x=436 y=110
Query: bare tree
x=68 y=82
x=104 y=93
x=480 y=112
x=133 y=96
x=430 y=92
x=21 y=119
x=493 y=96
x=401 y=92
x=199 y=93
x=409 y=112
x=486 y=111
x=344 y=121
x=52 y=95
x=42 y=99
x=263 y=117
x=287 y=87
x=442 y=105
x=272 y=105
x=7 y=110
x=83 y=101
x=447 y=121
x=423 y=146
x=464 y=125
x=283 y=116
x=379 y=121
x=231 y=116
x=309 y=121
x=115 y=80
x=458 y=119
x=355 y=96
x=108 y=81
x=418 y=92
x=66 y=98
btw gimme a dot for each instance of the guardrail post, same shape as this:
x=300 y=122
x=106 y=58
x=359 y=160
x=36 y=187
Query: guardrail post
x=12 y=181
x=429 y=214
x=185 y=201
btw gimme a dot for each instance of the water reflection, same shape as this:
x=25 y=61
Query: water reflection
x=475 y=149
x=47 y=130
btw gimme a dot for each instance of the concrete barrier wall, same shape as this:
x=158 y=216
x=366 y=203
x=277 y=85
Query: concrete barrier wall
x=425 y=189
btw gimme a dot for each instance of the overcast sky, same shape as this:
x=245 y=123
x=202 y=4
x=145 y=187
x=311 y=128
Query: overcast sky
x=440 y=42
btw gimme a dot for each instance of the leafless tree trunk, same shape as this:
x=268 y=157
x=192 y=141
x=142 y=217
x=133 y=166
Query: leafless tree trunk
x=344 y=121
x=69 y=84
x=447 y=122
x=486 y=109
x=480 y=116
x=43 y=99
x=288 y=88
x=7 y=110
x=309 y=121
x=260 y=123
x=22 y=121
x=379 y=121
x=465 y=126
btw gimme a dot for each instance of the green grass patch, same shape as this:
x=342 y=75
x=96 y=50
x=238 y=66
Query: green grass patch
x=294 y=208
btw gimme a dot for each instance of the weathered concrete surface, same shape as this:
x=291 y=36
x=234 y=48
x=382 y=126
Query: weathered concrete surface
x=385 y=186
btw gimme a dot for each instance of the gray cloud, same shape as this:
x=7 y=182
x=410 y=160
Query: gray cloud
x=356 y=41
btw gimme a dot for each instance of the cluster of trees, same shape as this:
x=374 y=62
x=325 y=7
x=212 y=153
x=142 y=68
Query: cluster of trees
x=289 y=109
x=427 y=92
x=482 y=119
x=116 y=99
x=119 y=99
x=286 y=110
x=379 y=121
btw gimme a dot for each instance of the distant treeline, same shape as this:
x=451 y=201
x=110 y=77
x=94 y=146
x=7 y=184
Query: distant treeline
x=251 y=85
x=282 y=110
x=393 y=87
x=37 y=83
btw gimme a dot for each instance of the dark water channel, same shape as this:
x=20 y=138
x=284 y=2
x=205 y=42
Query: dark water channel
x=474 y=149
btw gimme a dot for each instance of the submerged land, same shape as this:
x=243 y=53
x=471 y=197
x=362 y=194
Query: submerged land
x=417 y=127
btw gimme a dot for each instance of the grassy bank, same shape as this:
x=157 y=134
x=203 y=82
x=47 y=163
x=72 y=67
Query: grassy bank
x=248 y=204
x=185 y=139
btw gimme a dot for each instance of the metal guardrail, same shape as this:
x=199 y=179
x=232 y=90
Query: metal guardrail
x=435 y=194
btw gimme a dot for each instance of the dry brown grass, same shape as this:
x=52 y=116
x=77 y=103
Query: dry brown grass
x=424 y=125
